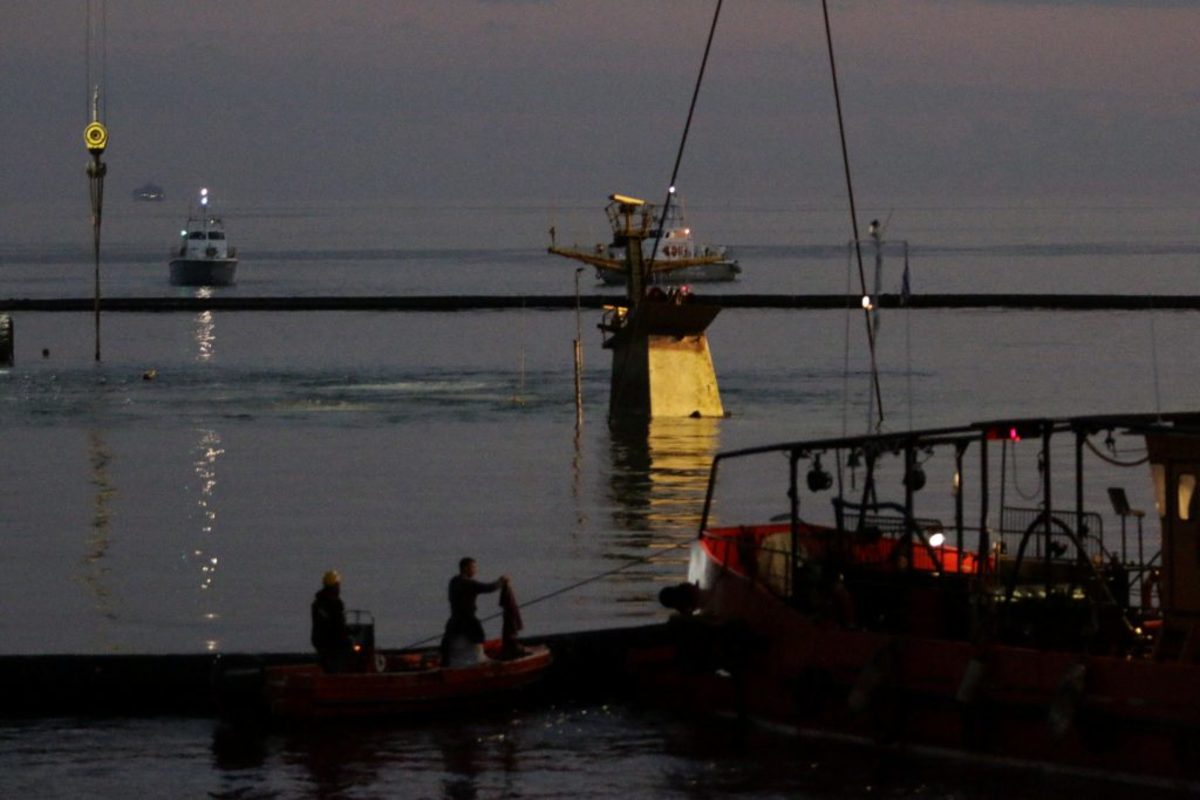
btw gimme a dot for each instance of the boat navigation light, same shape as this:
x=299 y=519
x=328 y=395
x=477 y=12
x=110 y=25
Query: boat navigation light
x=671 y=190
x=866 y=302
x=937 y=539
x=183 y=233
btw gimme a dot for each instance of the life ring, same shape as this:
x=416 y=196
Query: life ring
x=95 y=136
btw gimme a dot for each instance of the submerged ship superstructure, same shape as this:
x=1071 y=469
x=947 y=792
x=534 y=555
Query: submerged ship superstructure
x=662 y=366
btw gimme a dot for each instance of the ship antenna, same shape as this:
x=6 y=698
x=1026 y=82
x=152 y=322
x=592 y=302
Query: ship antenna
x=686 y=127
x=862 y=280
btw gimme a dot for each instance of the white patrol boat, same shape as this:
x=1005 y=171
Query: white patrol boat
x=203 y=257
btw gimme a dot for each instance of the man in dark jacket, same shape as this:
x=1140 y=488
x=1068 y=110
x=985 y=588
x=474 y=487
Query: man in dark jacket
x=463 y=624
x=329 y=634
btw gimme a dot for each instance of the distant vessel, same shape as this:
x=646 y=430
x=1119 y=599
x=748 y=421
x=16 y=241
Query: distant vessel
x=204 y=257
x=705 y=263
x=149 y=191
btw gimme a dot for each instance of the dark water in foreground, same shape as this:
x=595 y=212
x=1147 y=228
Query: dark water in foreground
x=196 y=511
x=579 y=752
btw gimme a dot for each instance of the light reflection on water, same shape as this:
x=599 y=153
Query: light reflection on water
x=205 y=455
x=660 y=472
x=95 y=573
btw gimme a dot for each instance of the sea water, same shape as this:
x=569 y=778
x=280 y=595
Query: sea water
x=185 y=493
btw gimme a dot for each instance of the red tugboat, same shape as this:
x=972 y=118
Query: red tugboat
x=990 y=589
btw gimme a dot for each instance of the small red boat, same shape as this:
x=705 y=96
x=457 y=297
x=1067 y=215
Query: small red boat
x=397 y=684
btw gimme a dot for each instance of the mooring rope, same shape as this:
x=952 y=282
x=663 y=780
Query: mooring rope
x=563 y=590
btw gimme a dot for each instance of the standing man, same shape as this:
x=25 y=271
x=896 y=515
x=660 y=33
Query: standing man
x=462 y=643
x=329 y=634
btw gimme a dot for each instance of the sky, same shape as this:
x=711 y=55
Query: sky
x=560 y=102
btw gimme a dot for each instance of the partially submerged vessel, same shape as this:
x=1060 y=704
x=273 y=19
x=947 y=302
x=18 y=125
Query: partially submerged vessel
x=203 y=257
x=680 y=259
x=662 y=366
x=906 y=588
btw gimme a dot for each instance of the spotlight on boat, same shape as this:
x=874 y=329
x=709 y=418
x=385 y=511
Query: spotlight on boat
x=866 y=302
x=914 y=479
x=937 y=539
x=818 y=479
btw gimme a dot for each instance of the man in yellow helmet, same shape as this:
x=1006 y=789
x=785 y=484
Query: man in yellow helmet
x=329 y=634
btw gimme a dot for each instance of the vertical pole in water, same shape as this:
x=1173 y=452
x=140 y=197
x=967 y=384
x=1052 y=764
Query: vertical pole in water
x=578 y=357
x=95 y=136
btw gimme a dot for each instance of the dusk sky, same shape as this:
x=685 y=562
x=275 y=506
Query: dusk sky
x=539 y=102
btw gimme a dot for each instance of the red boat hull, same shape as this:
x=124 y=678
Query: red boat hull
x=409 y=684
x=749 y=653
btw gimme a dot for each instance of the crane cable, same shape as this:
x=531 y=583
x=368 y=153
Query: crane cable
x=862 y=280
x=686 y=128
x=95 y=135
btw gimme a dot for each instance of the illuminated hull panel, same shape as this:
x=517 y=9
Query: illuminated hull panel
x=662 y=366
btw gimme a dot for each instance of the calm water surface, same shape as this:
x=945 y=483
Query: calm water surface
x=196 y=511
